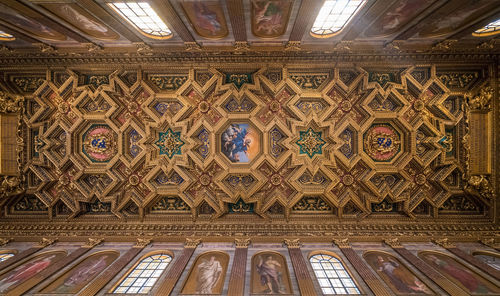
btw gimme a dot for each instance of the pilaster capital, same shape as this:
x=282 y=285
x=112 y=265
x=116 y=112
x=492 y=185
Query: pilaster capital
x=242 y=242
x=4 y=241
x=342 y=242
x=142 y=242
x=45 y=242
x=92 y=242
x=393 y=242
x=489 y=241
x=192 y=242
x=444 y=242
x=292 y=243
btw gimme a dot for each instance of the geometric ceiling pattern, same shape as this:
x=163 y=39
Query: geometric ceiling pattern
x=276 y=142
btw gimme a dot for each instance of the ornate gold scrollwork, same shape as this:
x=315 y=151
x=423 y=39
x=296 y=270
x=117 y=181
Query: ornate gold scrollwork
x=45 y=242
x=92 y=242
x=480 y=185
x=4 y=241
x=192 y=242
x=393 y=242
x=482 y=101
x=342 y=242
x=10 y=103
x=444 y=242
x=142 y=242
x=292 y=243
x=242 y=242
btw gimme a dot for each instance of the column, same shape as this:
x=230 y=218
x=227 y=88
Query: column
x=237 y=279
x=366 y=274
x=445 y=243
x=45 y=242
x=306 y=286
x=178 y=266
x=52 y=269
x=424 y=268
x=107 y=275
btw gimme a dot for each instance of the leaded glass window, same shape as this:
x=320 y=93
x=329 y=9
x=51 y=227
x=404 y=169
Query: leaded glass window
x=334 y=15
x=332 y=277
x=144 y=275
x=488 y=30
x=142 y=16
x=5 y=256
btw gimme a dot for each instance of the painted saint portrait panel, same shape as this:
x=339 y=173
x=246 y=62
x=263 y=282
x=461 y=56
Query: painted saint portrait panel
x=490 y=258
x=83 y=273
x=459 y=274
x=396 y=16
x=240 y=142
x=270 y=274
x=28 y=22
x=207 y=274
x=396 y=275
x=28 y=269
x=207 y=18
x=270 y=17
x=81 y=19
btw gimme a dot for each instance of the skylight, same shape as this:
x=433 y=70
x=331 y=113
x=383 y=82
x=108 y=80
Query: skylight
x=488 y=30
x=333 y=17
x=6 y=36
x=142 y=16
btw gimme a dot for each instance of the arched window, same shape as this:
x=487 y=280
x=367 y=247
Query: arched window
x=332 y=277
x=144 y=275
x=6 y=36
x=492 y=28
x=5 y=256
x=333 y=16
x=143 y=17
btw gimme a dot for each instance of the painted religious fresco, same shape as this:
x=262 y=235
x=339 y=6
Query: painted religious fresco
x=490 y=258
x=207 y=274
x=80 y=275
x=453 y=16
x=269 y=274
x=240 y=142
x=396 y=16
x=81 y=19
x=27 y=22
x=29 y=269
x=207 y=18
x=459 y=274
x=396 y=275
x=270 y=17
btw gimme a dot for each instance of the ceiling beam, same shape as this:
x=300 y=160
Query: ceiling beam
x=165 y=9
x=308 y=11
x=236 y=16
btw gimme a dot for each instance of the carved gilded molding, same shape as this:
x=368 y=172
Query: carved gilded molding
x=242 y=242
x=45 y=242
x=292 y=243
x=92 y=242
x=342 y=242
x=444 y=242
x=10 y=103
x=192 y=242
x=482 y=101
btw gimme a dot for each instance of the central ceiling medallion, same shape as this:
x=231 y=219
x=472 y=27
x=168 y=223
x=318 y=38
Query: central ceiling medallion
x=99 y=143
x=382 y=142
x=240 y=142
x=170 y=143
x=310 y=143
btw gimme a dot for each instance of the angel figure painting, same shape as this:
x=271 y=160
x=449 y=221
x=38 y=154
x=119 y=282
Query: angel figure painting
x=270 y=274
x=207 y=274
x=79 y=276
x=29 y=269
x=459 y=274
x=270 y=17
x=239 y=143
x=399 y=278
x=207 y=18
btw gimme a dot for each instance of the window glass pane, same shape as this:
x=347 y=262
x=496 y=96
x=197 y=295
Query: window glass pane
x=5 y=256
x=143 y=17
x=6 y=37
x=142 y=278
x=490 y=29
x=331 y=275
x=334 y=15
